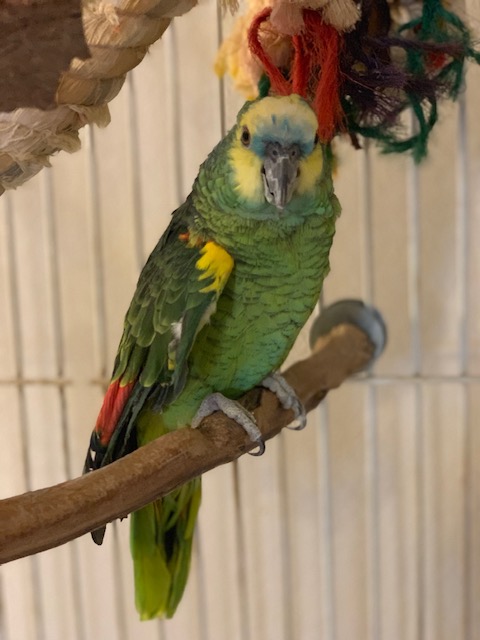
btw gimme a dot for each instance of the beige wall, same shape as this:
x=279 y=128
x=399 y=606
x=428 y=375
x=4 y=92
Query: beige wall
x=365 y=526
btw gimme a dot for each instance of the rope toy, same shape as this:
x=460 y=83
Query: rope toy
x=360 y=68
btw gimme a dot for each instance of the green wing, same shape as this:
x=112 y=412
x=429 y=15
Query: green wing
x=176 y=293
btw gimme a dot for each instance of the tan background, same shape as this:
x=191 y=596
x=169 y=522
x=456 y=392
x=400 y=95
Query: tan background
x=366 y=525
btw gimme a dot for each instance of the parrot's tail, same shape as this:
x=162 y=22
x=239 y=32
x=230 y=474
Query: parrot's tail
x=161 y=545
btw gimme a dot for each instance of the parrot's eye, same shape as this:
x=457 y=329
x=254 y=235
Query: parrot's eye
x=245 y=137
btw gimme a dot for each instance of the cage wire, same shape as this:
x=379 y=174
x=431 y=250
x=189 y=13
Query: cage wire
x=365 y=525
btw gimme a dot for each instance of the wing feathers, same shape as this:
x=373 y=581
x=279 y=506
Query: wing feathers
x=113 y=405
x=176 y=295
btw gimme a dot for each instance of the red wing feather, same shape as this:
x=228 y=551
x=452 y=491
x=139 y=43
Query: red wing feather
x=112 y=407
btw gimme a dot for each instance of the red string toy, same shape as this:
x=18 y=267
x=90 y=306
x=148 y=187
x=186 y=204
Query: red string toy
x=315 y=70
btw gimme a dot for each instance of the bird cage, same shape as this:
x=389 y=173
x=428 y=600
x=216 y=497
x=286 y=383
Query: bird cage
x=366 y=524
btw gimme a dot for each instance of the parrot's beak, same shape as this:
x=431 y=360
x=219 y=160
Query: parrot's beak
x=280 y=173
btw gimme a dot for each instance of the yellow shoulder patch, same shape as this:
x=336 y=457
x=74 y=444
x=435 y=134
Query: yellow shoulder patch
x=214 y=263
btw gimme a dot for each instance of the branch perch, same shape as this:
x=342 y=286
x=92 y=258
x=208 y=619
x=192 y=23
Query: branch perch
x=40 y=520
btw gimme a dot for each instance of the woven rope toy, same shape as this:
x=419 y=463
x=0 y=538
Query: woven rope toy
x=361 y=72
x=118 y=34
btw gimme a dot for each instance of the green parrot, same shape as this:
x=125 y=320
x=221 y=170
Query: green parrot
x=217 y=308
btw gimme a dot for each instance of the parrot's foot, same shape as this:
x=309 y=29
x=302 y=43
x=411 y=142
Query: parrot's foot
x=234 y=410
x=287 y=397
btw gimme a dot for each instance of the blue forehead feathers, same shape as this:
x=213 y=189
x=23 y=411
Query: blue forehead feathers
x=284 y=131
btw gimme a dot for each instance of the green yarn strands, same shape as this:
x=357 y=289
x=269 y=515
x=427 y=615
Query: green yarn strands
x=263 y=86
x=381 y=86
x=442 y=27
x=389 y=77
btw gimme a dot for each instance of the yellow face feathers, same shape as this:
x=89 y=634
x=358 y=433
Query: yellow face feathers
x=311 y=169
x=282 y=123
x=248 y=174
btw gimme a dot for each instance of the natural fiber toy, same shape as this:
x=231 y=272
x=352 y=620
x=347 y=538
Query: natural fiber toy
x=359 y=68
x=118 y=35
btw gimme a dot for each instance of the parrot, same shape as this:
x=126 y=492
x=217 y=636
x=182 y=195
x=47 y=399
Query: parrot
x=217 y=308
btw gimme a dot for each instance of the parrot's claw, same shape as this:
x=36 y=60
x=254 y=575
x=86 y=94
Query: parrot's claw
x=234 y=410
x=287 y=397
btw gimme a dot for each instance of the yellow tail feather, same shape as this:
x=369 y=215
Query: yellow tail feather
x=161 y=543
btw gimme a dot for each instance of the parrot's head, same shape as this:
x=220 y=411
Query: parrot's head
x=274 y=153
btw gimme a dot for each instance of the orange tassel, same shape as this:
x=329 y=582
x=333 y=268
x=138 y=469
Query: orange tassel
x=315 y=72
x=323 y=42
x=301 y=67
x=279 y=84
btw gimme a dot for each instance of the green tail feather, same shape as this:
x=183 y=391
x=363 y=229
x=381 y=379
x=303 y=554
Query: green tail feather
x=161 y=543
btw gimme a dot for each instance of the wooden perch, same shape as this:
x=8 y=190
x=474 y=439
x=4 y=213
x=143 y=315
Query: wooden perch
x=46 y=518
